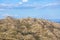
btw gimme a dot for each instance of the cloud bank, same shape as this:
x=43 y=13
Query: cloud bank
x=20 y=5
x=24 y=0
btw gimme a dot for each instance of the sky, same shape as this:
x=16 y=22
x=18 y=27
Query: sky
x=47 y=9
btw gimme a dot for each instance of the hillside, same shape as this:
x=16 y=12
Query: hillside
x=28 y=29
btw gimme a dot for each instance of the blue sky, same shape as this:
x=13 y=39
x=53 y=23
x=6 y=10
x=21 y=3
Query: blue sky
x=47 y=9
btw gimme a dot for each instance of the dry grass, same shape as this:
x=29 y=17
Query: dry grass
x=28 y=29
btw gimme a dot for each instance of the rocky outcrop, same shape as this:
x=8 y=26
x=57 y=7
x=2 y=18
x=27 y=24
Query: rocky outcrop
x=28 y=29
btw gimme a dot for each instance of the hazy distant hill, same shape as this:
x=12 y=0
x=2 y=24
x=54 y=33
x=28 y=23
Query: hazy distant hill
x=28 y=29
x=54 y=20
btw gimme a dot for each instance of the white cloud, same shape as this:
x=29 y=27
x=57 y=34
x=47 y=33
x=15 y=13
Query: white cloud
x=6 y=5
x=24 y=0
x=19 y=5
x=2 y=9
x=7 y=14
x=47 y=5
x=50 y=5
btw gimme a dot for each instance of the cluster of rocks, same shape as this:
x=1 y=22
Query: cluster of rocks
x=28 y=29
